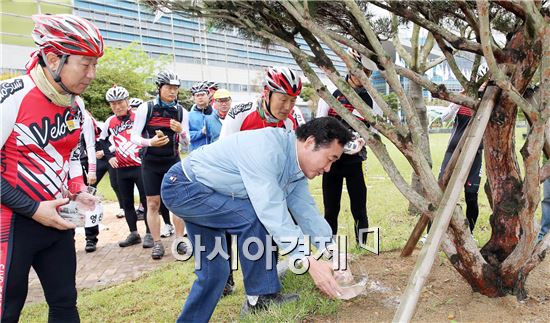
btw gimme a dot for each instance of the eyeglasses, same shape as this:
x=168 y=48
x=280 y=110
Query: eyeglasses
x=224 y=100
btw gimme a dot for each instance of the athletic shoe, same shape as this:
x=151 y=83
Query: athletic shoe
x=182 y=248
x=167 y=231
x=259 y=303
x=148 y=241
x=158 y=251
x=229 y=286
x=120 y=214
x=90 y=246
x=132 y=239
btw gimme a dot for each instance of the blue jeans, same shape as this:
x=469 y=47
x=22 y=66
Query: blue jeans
x=545 y=220
x=210 y=215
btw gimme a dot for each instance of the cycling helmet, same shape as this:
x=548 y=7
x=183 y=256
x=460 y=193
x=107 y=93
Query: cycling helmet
x=64 y=35
x=212 y=85
x=167 y=77
x=364 y=61
x=354 y=54
x=199 y=87
x=282 y=80
x=222 y=94
x=116 y=93
x=135 y=102
x=67 y=34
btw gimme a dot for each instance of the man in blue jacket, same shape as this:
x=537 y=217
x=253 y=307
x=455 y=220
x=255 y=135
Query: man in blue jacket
x=246 y=185
x=198 y=114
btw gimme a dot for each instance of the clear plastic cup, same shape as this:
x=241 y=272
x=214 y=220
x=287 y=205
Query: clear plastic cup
x=351 y=286
x=84 y=208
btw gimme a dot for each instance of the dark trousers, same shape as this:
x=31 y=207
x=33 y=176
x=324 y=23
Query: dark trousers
x=332 y=195
x=127 y=178
x=52 y=254
x=471 y=187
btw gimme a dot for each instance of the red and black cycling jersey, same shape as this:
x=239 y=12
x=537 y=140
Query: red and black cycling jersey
x=465 y=111
x=362 y=92
x=247 y=116
x=40 y=150
x=152 y=116
x=119 y=132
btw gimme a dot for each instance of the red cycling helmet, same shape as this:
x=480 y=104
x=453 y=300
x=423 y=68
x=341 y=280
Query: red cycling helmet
x=282 y=80
x=67 y=34
x=64 y=35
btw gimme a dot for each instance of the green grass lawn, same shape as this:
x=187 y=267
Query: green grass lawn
x=159 y=295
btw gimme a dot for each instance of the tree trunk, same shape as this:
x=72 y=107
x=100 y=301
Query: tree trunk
x=505 y=186
x=415 y=92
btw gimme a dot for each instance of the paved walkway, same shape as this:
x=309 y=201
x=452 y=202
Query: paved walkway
x=109 y=264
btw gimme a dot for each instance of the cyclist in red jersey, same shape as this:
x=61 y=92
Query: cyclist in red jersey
x=275 y=108
x=126 y=161
x=42 y=116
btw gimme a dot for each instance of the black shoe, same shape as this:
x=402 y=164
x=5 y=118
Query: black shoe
x=158 y=251
x=265 y=301
x=90 y=246
x=148 y=241
x=229 y=286
x=132 y=239
x=182 y=248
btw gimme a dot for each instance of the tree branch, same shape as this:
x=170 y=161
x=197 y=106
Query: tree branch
x=331 y=73
x=438 y=91
x=425 y=51
x=512 y=7
x=448 y=52
x=501 y=79
x=456 y=41
x=435 y=62
x=406 y=56
x=470 y=16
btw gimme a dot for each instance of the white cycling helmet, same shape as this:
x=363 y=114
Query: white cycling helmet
x=283 y=80
x=116 y=93
x=135 y=102
x=367 y=63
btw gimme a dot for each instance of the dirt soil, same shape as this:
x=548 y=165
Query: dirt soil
x=446 y=296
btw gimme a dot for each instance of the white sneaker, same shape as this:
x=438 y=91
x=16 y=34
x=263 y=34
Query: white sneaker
x=423 y=239
x=167 y=230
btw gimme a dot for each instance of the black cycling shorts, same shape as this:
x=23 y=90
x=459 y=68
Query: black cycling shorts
x=152 y=173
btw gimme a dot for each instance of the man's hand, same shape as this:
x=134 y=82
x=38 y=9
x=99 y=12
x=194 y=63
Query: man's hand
x=175 y=126
x=354 y=146
x=99 y=154
x=47 y=215
x=157 y=141
x=322 y=274
x=113 y=162
x=92 y=178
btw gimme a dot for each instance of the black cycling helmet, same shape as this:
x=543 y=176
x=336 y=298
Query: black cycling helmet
x=167 y=77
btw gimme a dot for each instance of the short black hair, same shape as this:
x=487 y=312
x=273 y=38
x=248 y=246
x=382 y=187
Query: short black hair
x=325 y=130
x=42 y=62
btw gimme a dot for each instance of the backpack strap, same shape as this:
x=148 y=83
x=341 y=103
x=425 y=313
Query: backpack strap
x=150 y=106
x=180 y=112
